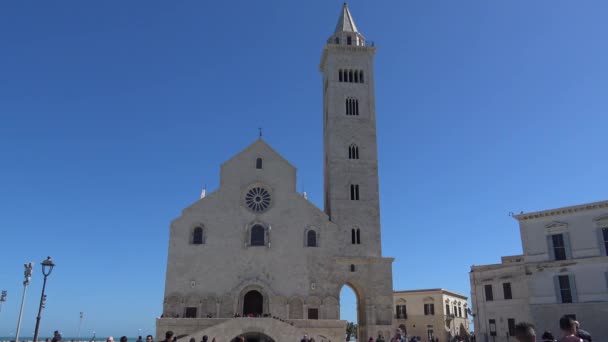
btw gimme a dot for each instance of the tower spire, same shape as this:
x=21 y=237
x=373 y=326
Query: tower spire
x=346 y=23
x=346 y=32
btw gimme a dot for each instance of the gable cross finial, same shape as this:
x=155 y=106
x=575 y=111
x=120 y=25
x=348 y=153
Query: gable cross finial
x=260 y=133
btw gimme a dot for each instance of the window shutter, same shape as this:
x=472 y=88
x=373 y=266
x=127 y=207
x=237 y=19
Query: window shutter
x=550 y=250
x=573 y=288
x=600 y=241
x=567 y=245
x=558 y=293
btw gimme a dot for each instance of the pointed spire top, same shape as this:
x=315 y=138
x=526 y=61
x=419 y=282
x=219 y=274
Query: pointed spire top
x=346 y=23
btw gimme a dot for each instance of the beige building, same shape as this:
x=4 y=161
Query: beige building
x=431 y=313
x=563 y=271
x=256 y=247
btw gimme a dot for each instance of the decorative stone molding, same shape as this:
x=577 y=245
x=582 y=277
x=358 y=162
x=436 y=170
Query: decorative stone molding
x=561 y=211
x=601 y=221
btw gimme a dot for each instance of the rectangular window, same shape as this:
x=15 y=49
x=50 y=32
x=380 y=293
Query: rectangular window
x=400 y=312
x=492 y=327
x=489 y=294
x=564 y=288
x=506 y=288
x=429 y=309
x=313 y=313
x=605 y=234
x=190 y=312
x=455 y=311
x=447 y=309
x=511 y=323
x=459 y=311
x=466 y=313
x=559 y=248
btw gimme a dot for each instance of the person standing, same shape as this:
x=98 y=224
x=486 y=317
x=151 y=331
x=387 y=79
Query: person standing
x=168 y=336
x=149 y=338
x=56 y=336
x=139 y=339
x=568 y=327
x=380 y=338
x=524 y=332
x=398 y=337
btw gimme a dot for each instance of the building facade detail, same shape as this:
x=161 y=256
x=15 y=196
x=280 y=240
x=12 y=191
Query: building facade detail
x=563 y=270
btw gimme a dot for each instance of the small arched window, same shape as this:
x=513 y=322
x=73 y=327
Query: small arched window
x=356 y=77
x=352 y=267
x=349 y=40
x=311 y=238
x=197 y=236
x=353 y=236
x=354 y=192
x=337 y=40
x=353 y=152
x=361 y=76
x=258 y=235
x=258 y=163
x=350 y=76
x=358 y=236
x=340 y=75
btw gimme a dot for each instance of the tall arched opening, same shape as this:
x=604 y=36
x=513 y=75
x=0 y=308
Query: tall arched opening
x=254 y=337
x=253 y=303
x=351 y=310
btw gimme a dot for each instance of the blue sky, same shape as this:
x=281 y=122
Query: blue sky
x=114 y=114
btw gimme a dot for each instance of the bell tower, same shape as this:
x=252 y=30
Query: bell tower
x=349 y=132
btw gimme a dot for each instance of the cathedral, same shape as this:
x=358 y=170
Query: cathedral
x=256 y=259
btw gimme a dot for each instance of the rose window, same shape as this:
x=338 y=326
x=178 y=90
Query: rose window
x=257 y=199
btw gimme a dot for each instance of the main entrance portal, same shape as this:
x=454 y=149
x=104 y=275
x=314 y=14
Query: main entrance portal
x=254 y=337
x=253 y=304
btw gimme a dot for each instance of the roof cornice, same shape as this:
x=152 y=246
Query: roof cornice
x=561 y=211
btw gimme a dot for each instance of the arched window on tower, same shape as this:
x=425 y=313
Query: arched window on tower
x=340 y=75
x=258 y=163
x=353 y=236
x=350 y=76
x=197 y=236
x=361 y=76
x=311 y=238
x=356 y=77
x=353 y=152
x=358 y=236
x=258 y=235
x=354 y=192
x=337 y=40
x=349 y=40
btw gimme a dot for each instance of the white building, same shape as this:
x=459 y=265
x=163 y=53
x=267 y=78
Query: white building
x=431 y=313
x=257 y=247
x=563 y=271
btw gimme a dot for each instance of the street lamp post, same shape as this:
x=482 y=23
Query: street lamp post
x=27 y=273
x=47 y=268
x=2 y=299
x=80 y=324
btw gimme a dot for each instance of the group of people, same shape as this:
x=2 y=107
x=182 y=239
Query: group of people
x=570 y=329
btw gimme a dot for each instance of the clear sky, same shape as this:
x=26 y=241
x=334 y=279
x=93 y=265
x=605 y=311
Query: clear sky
x=114 y=115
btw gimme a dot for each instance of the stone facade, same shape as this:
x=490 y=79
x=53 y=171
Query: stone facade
x=431 y=313
x=563 y=270
x=257 y=247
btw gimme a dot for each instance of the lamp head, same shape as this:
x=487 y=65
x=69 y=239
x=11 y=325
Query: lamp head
x=47 y=266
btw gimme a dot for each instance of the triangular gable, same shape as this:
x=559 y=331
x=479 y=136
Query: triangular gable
x=253 y=146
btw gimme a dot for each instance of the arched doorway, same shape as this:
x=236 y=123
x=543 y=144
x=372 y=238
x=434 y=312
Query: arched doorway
x=351 y=311
x=254 y=337
x=253 y=303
